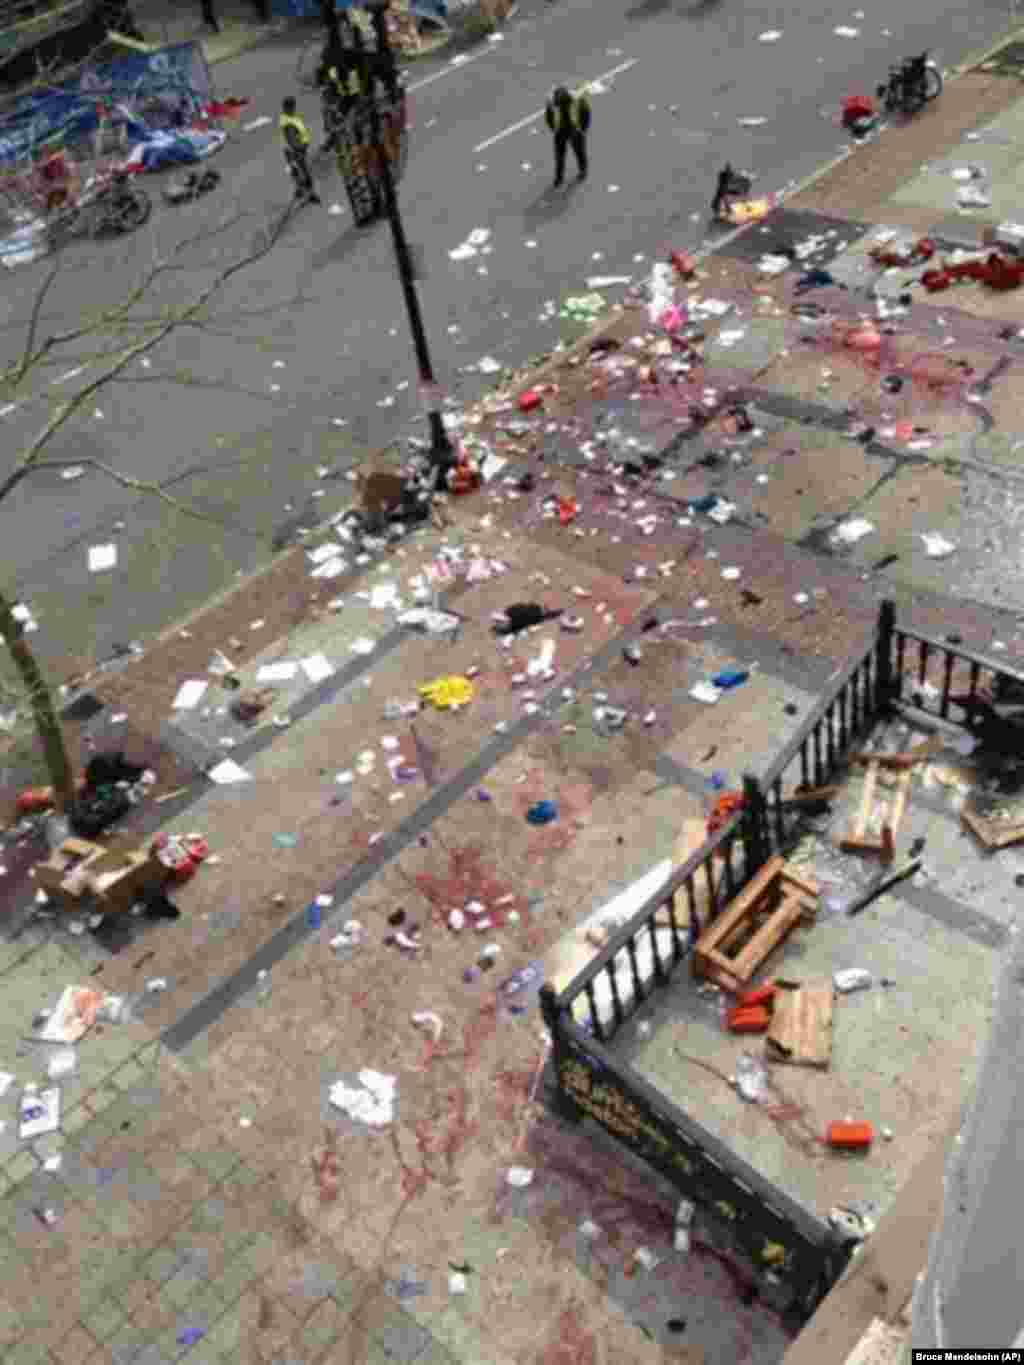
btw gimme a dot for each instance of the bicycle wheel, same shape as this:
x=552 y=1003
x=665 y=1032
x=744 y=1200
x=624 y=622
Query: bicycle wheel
x=932 y=83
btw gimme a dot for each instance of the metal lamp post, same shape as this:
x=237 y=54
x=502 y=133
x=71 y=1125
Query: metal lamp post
x=441 y=451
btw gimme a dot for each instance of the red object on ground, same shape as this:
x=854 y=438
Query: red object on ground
x=857 y=106
x=529 y=400
x=35 y=799
x=934 y=280
x=198 y=849
x=760 y=995
x=684 y=264
x=566 y=510
x=853 y=1137
x=723 y=808
x=754 y=1019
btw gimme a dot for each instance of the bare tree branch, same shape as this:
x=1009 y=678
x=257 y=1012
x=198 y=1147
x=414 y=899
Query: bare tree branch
x=67 y=409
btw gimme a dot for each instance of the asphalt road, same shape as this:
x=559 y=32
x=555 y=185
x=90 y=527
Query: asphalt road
x=307 y=359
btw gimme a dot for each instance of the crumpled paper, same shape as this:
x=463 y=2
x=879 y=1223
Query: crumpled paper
x=371 y=1102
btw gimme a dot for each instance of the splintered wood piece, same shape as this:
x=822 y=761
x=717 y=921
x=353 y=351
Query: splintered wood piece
x=858 y=841
x=895 y=815
x=812 y=797
x=992 y=833
x=935 y=744
x=801 y=1028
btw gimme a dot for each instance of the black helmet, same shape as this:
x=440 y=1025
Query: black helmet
x=561 y=95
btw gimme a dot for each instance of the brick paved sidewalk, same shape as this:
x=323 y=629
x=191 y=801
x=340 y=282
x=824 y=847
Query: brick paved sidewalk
x=188 y=1223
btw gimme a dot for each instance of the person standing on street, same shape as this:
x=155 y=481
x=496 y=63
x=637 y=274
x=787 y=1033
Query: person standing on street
x=210 y=16
x=296 y=139
x=568 y=117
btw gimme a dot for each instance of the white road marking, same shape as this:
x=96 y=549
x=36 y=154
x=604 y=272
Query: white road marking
x=532 y=118
x=448 y=70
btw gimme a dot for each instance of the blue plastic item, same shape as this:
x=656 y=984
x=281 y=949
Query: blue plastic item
x=542 y=813
x=730 y=677
x=314 y=915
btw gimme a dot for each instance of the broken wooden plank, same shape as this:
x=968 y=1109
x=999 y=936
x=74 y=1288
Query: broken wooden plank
x=992 y=833
x=812 y=797
x=801 y=1028
x=857 y=841
x=931 y=746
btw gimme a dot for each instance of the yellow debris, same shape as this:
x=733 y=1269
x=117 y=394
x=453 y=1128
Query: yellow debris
x=448 y=693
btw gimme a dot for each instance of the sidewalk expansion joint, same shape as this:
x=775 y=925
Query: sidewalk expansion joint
x=206 y=1011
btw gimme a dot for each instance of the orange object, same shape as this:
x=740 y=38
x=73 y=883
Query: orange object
x=850 y=1136
x=566 y=510
x=748 y=1020
x=724 y=807
x=529 y=400
x=760 y=995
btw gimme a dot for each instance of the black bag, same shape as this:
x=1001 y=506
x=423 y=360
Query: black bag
x=95 y=812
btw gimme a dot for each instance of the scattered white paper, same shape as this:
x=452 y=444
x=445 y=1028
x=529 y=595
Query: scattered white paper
x=519 y=1177
x=324 y=552
x=772 y=36
x=189 y=694
x=492 y=466
x=606 y=281
x=371 y=1102
x=6 y=1081
x=228 y=771
x=731 y=573
x=317 y=667
x=384 y=595
x=363 y=645
x=844 y=32
x=705 y=692
x=937 y=546
x=102 y=557
x=255 y=123
x=331 y=568
x=283 y=671
x=751 y=122
x=48 y=1121
x=73 y=471
x=849 y=532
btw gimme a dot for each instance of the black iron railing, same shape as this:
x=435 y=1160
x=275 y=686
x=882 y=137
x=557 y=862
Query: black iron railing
x=786 y=1242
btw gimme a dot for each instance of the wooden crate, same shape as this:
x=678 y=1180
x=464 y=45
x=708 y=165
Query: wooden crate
x=859 y=840
x=778 y=895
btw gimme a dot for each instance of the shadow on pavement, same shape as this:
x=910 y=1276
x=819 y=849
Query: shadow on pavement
x=551 y=204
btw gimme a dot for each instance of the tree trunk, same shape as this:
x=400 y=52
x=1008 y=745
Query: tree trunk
x=48 y=726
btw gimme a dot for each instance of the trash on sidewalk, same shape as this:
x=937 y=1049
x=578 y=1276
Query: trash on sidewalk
x=62 y=1063
x=521 y=616
x=851 y=979
x=849 y=532
x=102 y=557
x=431 y=622
x=189 y=694
x=73 y=1016
x=371 y=1102
x=936 y=546
x=457 y=1282
x=801 y=1027
x=845 y=1135
x=227 y=771
x=542 y=813
x=448 y=693
x=751 y=1078
x=38 y=1112
x=705 y=692
x=519 y=1177
x=406 y=1287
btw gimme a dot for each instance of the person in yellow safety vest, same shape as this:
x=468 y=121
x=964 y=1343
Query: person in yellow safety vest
x=296 y=139
x=568 y=117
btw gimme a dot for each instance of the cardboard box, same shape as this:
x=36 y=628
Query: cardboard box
x=81 y=875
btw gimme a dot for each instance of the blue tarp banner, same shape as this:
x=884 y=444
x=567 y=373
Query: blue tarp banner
x=310 y=9
x=68 y=112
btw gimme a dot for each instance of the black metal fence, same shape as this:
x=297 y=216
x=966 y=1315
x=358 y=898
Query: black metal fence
x=789 y=1245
